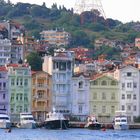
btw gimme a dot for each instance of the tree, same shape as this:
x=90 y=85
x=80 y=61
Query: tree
x=34 y=61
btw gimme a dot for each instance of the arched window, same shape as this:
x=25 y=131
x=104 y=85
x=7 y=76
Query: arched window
x=113 y=83
x=104 y=83
x=81 y=84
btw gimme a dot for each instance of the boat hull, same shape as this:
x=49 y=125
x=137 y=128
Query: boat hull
x=94 y=126
x=5 y=125
x=56 y=124
x=27 y=125
x=121 y=127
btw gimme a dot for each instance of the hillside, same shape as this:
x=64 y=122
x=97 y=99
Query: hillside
x=84 y=28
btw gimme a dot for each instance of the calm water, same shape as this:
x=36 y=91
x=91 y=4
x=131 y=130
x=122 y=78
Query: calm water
x=71 y=134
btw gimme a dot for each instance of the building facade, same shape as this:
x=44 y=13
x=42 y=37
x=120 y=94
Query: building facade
x=41 y=95
x=61 y=81
x=4 y=94
x=130 y=92
x=55 y=37
x=19 y=77
x=104 y=98
x=5 y=51
x=80 y=96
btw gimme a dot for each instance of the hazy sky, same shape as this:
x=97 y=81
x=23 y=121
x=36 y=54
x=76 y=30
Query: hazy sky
x=123 y=10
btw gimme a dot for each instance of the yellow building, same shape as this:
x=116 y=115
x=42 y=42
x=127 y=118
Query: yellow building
x=104 y=97
x=41 y=94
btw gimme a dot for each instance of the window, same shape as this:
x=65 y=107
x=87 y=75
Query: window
x=26 y=82
x=134 y=108
x=112 y=109
x=103 y=96
x=129 y=85
x=12 y=82
x=94 y=109
x=128 y=96
x=103 y=109
x=123 y=96
x=113 y=96
x=134 y=97
x=113 y=83
x=81 y=84
x=123 y=107
x=3 y=96
x=80 y=108
x=94 y=96
x=129 y=74
x=135 y=85
x=95 y=82
x=104 y=83
x=128 y=107
x=4 y=85
x=123 y=85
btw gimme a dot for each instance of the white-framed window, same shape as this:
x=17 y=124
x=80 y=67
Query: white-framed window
x=103 y=109
x=123 y=96
x=134 y=96
x=123 y=107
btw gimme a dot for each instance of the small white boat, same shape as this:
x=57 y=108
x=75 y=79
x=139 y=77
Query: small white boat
x=120 y=121
x=5 y=121
x=26 y=121
x=92 y=123
x=55 y=120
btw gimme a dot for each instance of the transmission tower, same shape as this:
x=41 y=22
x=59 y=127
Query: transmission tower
x=89 y=5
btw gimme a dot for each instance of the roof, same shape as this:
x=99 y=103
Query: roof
x=3 y=68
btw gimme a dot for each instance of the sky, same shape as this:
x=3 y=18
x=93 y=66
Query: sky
x=123 y=10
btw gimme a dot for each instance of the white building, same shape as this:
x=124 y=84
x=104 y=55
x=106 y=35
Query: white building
x=5 y=51
x=130 y=92
x=80 y=96
x=61 y=81
x=47 y=64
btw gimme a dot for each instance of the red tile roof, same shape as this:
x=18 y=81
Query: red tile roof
x=2 y=68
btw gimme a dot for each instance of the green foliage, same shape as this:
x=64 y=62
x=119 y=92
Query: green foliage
x=137 y=120
x=34 y=61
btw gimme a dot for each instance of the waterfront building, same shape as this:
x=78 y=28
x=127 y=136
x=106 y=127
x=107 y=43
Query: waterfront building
x=130 y=91
x=4 y=95
x=104 y=97
x=62 y=71
x=55 y=37
x=19 y=77
x=5 y=51
x=80 y=96
x=41 y=95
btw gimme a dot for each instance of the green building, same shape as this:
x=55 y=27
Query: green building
x=19 y=76
x=104 y=97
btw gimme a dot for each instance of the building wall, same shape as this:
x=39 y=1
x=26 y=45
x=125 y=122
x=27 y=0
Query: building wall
x=5 y=51
x=130 y=91
x=104 y=98
x=61 y=81
x=4 y=95
x=47 y=64
x=19 y=78
x=41 y=95
x=80 y=97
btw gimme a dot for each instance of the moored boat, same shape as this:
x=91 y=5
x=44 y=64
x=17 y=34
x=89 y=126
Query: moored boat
x=92 y=123
x=26 y=121
x=55 y=120
x=5 y=121
x=120 y=121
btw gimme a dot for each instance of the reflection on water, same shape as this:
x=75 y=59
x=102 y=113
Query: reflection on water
x=71 y=134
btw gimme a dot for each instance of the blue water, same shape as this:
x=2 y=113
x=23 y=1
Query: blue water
x=71 y=134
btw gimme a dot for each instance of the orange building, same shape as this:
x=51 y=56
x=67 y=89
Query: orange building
x=41 y=94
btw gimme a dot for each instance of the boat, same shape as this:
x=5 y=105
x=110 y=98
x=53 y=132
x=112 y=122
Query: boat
x=120 y=121
x=92 y=123
x=26 y=121
x=56 y=120
x=5 y=121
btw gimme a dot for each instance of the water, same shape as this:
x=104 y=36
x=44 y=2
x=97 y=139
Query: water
x=71 y=134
